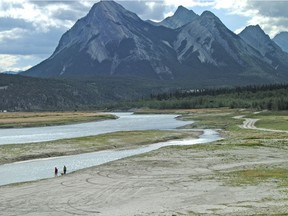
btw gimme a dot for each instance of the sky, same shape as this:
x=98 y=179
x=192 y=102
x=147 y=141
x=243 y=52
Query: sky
x=31 y=29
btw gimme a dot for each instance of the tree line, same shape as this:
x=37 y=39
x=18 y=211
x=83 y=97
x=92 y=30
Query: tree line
x=271 y=97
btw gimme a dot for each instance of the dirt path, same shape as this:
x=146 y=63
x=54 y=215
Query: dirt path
x=249 y=123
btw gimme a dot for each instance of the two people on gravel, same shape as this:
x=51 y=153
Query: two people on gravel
x=63 y=173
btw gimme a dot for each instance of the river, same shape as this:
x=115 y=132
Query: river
x=125 y=122
x=44 y=168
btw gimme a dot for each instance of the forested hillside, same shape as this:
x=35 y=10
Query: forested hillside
x=18 y=93
x=271 y=97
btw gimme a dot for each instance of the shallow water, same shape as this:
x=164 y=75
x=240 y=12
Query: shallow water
x=125 y=122
x=44 y=168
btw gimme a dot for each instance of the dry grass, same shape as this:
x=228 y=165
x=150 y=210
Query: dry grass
x=116 y=140
x=24 y=119
x=257 y=175
x=183 y=111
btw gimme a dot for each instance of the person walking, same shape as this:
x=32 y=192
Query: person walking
x=64 y=170
x=56 y=171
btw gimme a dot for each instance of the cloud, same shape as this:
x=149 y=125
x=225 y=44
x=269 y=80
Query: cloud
x=271 y=15
x=190 y=3
x=7 y=23
x=146 y=9
x=12 y=34
x=67 y=14
x=35 y=27
x=24 y=42
x=43 y=14
x=270 y=8
x=9 y=62
x=30 y=30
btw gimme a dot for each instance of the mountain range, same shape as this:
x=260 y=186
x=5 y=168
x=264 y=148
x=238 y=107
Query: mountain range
x=112 y=41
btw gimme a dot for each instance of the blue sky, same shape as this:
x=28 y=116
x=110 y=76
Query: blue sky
x=30 y=29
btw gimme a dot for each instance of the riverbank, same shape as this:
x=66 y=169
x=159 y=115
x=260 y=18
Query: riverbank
x=64 y=147
x=41 y=119
x=244 y=174
x=213 y=179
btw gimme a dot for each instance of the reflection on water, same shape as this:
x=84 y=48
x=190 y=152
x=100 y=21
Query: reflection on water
x=44 y=168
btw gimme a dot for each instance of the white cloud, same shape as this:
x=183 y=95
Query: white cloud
x=189 y=3
x=14 y=33
x=271 y=25
x=11 y=62
x=42 y=13
x=232 y=5
x=7 y=61
x=271 y=15
x=16 y=62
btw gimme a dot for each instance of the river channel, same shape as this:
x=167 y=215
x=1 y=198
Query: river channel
x=125 y=122
x=44 y=168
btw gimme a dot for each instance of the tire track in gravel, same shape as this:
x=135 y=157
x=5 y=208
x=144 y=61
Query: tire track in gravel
x=249 y=123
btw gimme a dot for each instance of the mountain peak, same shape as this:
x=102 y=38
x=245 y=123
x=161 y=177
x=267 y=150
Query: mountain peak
x=182 y=11
x=208 y=19
x=180 y=7
x=209 y=15
x=106 y=20
x=104 y=5
x=106 y=9
x=107 y=2
x=181 y=17
x=281 y=40
x=254 y=28
x=259 y=40
x=282 y=33
x=256 y=32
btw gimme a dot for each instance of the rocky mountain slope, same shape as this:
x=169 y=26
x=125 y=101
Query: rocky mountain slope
x=281 y=40
x=113 y=41
x=110 y=40
x=269 y=50
x=181 y=17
